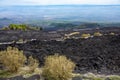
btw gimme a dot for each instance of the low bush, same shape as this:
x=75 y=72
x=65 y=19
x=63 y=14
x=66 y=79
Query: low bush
x=12 y=59
x=85 y=36
x=57 y=68
x=112 y=33
x=97 y=34
x=32 y=64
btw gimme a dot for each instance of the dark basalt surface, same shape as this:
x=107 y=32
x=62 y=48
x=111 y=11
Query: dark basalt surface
x=10 y=35
x=98 y=54
x=101 y=54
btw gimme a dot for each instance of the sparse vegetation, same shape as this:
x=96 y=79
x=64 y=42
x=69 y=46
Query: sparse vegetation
x=112 y=33
x=98 y=34
x=114 y=77
x=17 y=27
x=20 y=40
x=67 y=36
x=23 y=27
x=58 y=68
x=32 y=64
x=93 y=77
x=85 y=36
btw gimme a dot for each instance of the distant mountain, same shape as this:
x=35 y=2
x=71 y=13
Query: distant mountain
x=2 y=19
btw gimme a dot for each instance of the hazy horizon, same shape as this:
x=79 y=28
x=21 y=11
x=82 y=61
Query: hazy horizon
x=60 y=2
x=64 y=5
x=82 y=13
x=34 y=11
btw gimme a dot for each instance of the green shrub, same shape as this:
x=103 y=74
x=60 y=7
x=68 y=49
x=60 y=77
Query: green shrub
x=12 y=59
x=57 y=68
x=17 y=27
x=23 y=27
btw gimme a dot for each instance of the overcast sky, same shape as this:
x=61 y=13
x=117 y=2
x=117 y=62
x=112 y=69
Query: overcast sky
x=58 y=2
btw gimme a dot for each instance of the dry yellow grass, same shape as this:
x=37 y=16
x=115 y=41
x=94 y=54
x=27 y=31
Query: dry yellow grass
x=12 y=59
x=112 y=33
x=98 y=34
x=58 y=68
x=85 y=36
x=33 y=64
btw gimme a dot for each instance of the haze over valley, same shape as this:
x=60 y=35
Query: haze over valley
x=46 y=15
